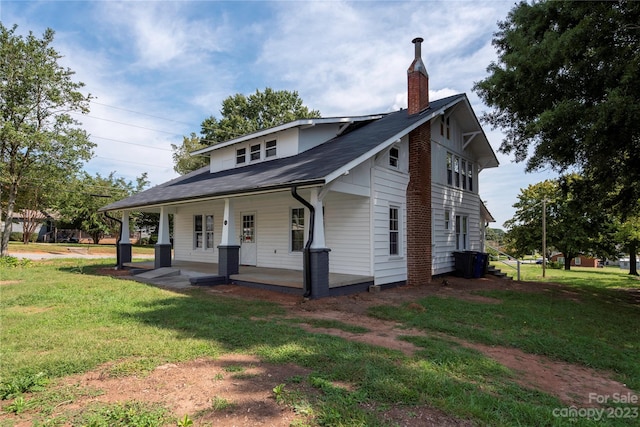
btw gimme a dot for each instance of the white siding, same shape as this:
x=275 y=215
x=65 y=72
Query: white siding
x=347 y=233
x=183 y=243
x=458 y=202
x=389 y=190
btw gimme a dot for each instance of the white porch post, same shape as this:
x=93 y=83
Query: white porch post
x=318 y=221
x=229 y=248
x=124 y=233
x=163 y=247
x=229 y=237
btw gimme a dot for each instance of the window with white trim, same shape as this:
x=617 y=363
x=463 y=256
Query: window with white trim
x=470 y=175
x=461 y=232
x=270 y=149
x=463 y=170
x=394 y=157
x=456 y=170
x=449 y=168
x=297 y=229
x=241 y=156
x=394 y=230
x=256 y=151
x=447 y=220
x=203 y=232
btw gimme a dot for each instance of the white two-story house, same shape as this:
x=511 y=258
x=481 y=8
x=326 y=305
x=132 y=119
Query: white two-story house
x=385 y=199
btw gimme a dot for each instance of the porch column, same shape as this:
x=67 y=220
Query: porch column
x=318 y=252
x=163 y=247
x=124 y=246
x=229 y=248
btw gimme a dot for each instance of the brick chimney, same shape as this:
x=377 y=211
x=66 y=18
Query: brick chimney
x=418 y=81
x=419 y=189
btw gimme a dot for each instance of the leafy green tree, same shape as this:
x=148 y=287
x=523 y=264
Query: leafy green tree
x=89 y=193
x=572 y=227
x=241 y=115
x=37 y=133
x=628 y=235
x=566 y=91
x=495 y=235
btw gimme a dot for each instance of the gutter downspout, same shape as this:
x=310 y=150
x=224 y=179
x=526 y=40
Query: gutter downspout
x=119 y=265
x=307 y=247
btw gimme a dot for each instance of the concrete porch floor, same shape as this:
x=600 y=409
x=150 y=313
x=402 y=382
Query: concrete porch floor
x=260 y=275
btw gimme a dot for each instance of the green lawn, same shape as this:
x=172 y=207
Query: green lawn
x=18 y=247
x=57 y=318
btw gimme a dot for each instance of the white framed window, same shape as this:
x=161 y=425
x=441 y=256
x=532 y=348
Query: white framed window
x=297 y=229
x=394 y=157
x=448 y=129
x=270 y=149
x=241 y=156
x=449 y=168
x=463 y=170
x=255 y=153
x=456 y=171
x=394 y=230
x=470 y=175
x=447 y=220
x=461 y=232
x=203 y=232
x=577 y=261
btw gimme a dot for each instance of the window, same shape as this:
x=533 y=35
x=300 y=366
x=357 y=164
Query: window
x=449 y=169
x=297 y=229
x=248 y=228
x=447 y=220
x=197 y=232
x=270 y=149
x=203 y=232
x=463 y=169
x=470 y=175
x=441 y=125
x=394 y=234
x=448 y=129
x=241 y=156
x=394 y=155
x=461 y=232
x=208 y=228
x=456 y=170
x=255 y=152
x=577 y=261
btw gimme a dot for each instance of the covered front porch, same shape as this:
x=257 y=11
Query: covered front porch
x=183 y=274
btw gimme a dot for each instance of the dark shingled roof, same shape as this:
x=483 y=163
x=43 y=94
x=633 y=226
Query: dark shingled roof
x=309 y=167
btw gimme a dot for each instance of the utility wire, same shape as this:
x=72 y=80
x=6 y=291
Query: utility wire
x=143 y=114
x=131 y=143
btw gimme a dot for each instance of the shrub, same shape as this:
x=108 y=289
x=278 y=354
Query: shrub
x=11 y=261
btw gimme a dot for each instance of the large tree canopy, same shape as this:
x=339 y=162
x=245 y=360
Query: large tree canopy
x=37 y=133
x=241 y=115
x=566 y=90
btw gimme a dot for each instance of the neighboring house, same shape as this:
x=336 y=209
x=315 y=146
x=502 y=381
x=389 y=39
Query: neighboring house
x=579 y=261
x=43 y=224
x=625 y=263
x=386 y=198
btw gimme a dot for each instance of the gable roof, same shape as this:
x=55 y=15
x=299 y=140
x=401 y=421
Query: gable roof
x=318 y=165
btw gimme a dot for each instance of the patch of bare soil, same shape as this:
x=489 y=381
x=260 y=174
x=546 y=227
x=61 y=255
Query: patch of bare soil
x=9 y=282
x=244 y=382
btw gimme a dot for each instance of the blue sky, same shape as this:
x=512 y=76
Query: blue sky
x=158 y=68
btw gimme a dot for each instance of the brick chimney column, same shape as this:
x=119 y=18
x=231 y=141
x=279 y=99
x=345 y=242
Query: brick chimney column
x=418 y=81
x=419 y=188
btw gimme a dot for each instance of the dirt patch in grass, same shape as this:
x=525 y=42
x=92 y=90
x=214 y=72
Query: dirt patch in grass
x=9 y=282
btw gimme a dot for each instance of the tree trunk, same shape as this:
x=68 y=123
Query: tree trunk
x=567 y=262
x=633 y=268
x=8 y=219
x=96 y=237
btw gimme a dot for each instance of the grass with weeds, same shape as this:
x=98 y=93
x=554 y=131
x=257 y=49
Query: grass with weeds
x=60 y=320
x=63 y=248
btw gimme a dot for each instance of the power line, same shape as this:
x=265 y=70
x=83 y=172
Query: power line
x=127 y=161
x=132 y=143
x=143 y=114
x=128 y=124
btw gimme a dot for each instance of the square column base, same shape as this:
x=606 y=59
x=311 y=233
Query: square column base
x=319 y=265
x=124 y=253
x=228 y=260
x=162 y=255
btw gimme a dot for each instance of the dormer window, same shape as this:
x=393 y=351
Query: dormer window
x=394 y=156
x=241 y=156
x=255 y=152
x=270 y=149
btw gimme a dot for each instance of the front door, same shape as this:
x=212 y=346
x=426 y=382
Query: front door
x=248 y=245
